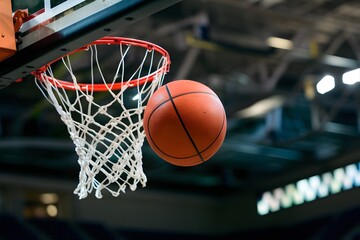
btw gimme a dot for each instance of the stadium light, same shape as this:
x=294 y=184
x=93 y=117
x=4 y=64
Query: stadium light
x=351 y=77
x=326 y=84
x=280 y=43
x=310 y=189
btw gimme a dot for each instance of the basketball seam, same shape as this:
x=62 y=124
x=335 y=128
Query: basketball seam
x=183 y=124
x=164 y=102
x=215 y=139
x=180 y=95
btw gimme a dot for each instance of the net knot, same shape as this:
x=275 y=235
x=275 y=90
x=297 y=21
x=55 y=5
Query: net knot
x=65 y=117
x=89 y=98
x=103 y=109
x=89 y=120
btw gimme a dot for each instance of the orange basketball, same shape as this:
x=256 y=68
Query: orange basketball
x=185 y=123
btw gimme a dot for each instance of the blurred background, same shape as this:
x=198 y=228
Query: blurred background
x=288 y=168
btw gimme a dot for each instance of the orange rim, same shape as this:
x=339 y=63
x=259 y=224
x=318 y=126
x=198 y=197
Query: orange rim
x=40 y=73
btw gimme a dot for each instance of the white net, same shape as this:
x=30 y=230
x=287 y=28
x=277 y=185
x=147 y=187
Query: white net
x=105 y=125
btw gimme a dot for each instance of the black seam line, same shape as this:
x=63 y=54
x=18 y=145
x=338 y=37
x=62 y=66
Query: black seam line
x=218 y=135
x=183 y=124
x=165 y=102
x=180 y=95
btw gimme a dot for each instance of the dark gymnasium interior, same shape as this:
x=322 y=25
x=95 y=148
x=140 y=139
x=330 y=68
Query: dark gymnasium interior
x=289 y=167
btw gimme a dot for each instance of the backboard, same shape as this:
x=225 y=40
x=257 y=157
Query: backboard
x=55 y=27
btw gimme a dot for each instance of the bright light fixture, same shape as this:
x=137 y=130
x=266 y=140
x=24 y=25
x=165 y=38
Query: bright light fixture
x=310 y=189
x=49 y=198
x=351 y=77
x=136 y=97
x=326 y=84
x=280 y=43
x=261 y=107
x=52 y=210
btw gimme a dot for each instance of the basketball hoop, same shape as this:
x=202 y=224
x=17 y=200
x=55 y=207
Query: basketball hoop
x=103 y=107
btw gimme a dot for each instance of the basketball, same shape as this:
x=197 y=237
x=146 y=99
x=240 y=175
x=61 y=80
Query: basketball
x=185 y=123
